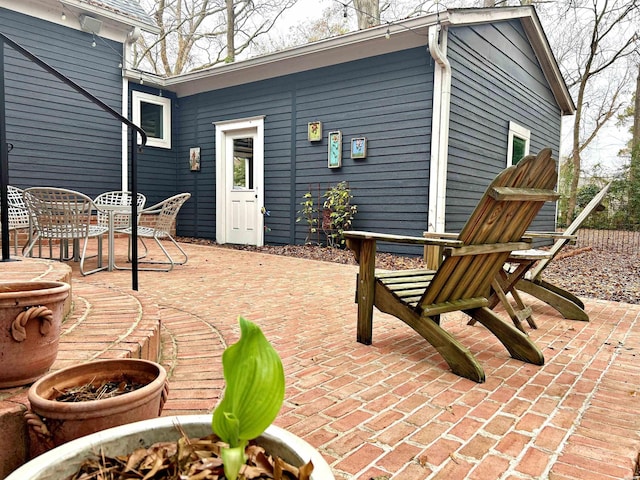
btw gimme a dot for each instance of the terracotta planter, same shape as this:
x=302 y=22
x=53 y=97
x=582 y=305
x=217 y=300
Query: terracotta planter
x=64 y=461
x=30 y=317
x=53 y=423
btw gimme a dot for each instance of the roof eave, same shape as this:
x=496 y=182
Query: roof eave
x=407 y=34
x=112 y=16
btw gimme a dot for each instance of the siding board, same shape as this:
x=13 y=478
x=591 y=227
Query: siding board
x=59 y=137
x=386 y=99
x=493 y=61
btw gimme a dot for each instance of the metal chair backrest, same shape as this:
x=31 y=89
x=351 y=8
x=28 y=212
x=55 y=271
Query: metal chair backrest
x=58 y=212
x=18 y=213
x=117 y=197
x=167 y=211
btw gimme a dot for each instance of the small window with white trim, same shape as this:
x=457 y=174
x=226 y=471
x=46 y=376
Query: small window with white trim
x=518 y=143
x=153 y=115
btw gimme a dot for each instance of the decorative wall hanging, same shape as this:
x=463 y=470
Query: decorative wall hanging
x=314 y=131
x=194 y=159
x=359 y=147
x=335 y=149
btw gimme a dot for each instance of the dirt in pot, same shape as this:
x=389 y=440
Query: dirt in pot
x=98 y=390
x=188 y=458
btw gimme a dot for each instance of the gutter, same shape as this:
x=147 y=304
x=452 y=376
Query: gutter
x=439 y=128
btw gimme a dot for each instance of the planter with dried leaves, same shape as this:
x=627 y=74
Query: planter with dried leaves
x=244 y=445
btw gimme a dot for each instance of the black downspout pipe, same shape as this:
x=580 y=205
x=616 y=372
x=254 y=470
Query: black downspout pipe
x=4 y=159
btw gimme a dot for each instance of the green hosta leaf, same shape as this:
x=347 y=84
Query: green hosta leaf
x=254 y=390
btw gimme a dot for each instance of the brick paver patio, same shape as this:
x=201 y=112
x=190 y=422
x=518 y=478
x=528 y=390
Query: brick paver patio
x=393 y=410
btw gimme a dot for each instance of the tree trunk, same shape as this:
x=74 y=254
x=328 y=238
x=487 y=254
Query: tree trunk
x=634 y=164
x=635 y=139
x=231 y=22
x=367 y=13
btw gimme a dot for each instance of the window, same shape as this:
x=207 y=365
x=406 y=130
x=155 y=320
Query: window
x=242 y=163
x=518 y=143
x=153 y=115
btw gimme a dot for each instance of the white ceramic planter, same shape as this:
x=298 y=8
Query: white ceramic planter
x=65 y=459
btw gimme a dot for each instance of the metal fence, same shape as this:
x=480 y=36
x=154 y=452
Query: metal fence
x=615 y=241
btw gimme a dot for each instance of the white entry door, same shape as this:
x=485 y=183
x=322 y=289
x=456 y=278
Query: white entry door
x=240 y=167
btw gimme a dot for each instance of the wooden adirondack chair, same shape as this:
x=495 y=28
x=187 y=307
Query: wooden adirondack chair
x=463 y=280
x=566 y=303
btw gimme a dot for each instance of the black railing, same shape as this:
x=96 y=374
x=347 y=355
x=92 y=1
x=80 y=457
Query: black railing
x=4 y=150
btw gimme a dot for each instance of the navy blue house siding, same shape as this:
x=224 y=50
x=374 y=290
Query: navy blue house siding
x=59 y=138
x=496 y=78
x=386 y=99
x=158 y=167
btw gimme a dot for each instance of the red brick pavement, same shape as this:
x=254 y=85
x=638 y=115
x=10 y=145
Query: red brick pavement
x=393 y=410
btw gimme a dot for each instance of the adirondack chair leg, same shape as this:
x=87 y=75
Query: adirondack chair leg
x=519 y=345
x=459 y=358
x=365 y=291
x=505 y=283
x=569 y=306
x=500 y=296
x=560 y=291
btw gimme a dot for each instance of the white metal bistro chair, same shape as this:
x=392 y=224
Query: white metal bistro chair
x=121 y=221
x=166 y=213
x=64 y=215
x=18 y=214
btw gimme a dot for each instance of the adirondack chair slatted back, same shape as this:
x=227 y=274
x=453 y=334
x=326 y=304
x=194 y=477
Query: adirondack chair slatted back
x=503 y=215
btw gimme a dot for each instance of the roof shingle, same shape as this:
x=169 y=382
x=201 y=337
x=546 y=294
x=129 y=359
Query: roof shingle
x=126 y=8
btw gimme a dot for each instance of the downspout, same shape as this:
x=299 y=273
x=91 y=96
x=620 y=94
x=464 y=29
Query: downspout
x=132 y=37
x=439 y=128
x=124 y=144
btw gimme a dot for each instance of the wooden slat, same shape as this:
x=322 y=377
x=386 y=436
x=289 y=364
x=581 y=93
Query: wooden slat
x=404 y=273
x=386 y=237
x=485 y=249
x=510 y=194
x=454 y=306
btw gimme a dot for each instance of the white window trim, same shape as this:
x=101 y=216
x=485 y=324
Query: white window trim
x=516 y=130
x=165 y=103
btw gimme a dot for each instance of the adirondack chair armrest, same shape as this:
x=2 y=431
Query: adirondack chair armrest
x=357 y=239
x=485 y=248
x=385 y=237
x=440 y=235
x=551 y=235
x=565 y=238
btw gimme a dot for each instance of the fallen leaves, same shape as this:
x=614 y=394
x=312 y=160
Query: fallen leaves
x=188 y=459
x=586 y=272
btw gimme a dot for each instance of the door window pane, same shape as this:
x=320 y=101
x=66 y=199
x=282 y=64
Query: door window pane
x=242 y=163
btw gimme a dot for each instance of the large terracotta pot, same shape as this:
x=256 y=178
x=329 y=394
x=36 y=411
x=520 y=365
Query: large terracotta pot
x=65 y=460
x=30 y=318
x=53 y=422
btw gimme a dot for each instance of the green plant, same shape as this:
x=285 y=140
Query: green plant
x=253 y=394
x=309 y=213
x=340 y=213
